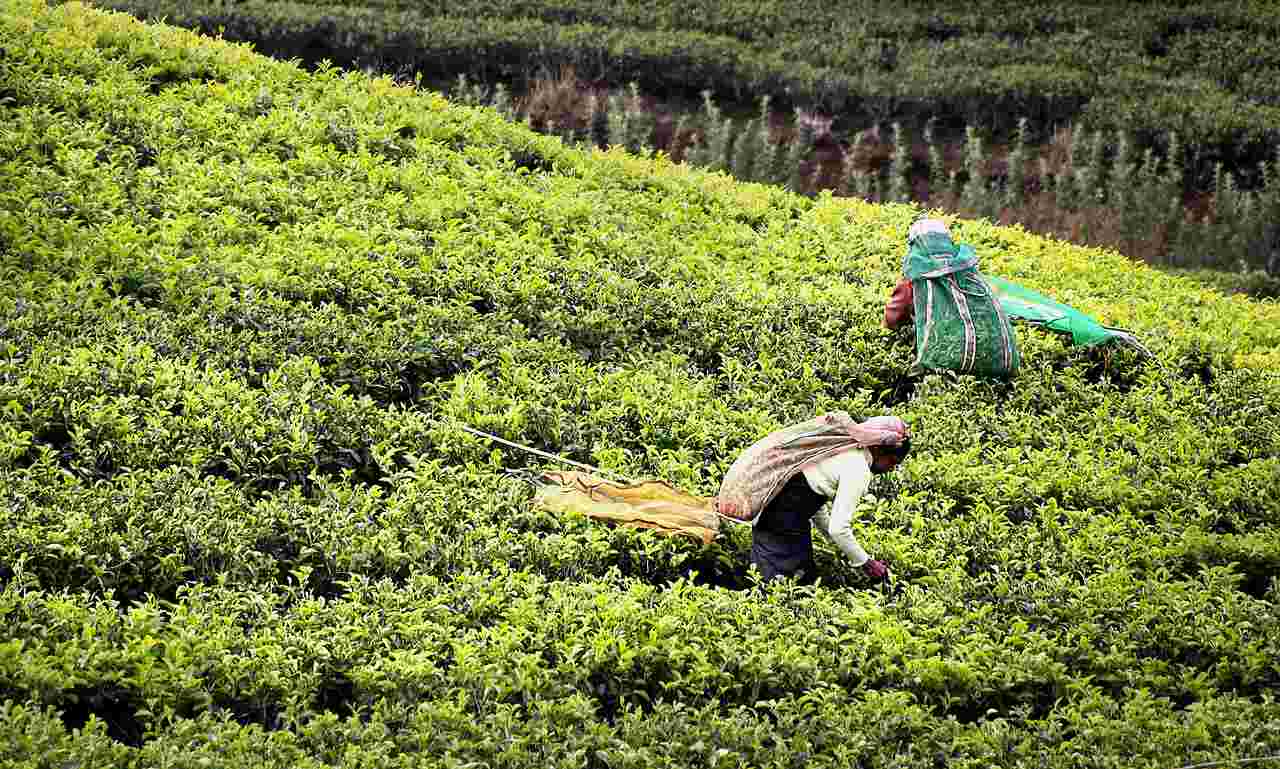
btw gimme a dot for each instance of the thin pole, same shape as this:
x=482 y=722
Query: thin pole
x=557 y=458
x=544 y=454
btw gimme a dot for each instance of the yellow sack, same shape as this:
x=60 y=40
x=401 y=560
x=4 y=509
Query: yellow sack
x=650 y=504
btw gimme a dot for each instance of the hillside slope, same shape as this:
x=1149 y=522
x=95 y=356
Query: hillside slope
x=1206 y=70
x=243 y=310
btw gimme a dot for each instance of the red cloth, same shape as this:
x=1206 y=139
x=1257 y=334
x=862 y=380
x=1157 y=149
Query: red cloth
x=900 y=307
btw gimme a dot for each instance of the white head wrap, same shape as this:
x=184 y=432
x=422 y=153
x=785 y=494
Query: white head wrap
x=922 y=226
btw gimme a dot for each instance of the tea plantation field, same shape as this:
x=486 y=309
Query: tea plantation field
x=244 y=310
x=1206 y=70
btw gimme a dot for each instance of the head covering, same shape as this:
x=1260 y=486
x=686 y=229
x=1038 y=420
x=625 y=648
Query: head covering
x=922 y=226
x=760 y=472
x=932 y=253
x=880 y=431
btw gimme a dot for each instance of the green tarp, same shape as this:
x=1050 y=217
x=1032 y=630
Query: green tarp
x=962 y=317
x=1024 y=304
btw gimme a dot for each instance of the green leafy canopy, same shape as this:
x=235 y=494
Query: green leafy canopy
x=243 y=309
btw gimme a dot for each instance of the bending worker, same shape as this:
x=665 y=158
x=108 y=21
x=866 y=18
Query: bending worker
x=960 y=325
x=781 y=483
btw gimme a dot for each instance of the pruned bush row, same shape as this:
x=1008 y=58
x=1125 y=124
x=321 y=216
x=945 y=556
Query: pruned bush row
x=244 y=310
x=511 y=668
x=1207 y=74
x=1089 y=187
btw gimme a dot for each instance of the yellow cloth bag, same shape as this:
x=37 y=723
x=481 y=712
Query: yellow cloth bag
x=647 y=504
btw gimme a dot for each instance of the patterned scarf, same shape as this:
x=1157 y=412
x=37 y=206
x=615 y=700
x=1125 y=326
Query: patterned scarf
x=760 y=472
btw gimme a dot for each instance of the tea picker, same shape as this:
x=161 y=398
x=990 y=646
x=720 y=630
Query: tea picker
x=782 y=482
x=777 y=486
x=962 y=317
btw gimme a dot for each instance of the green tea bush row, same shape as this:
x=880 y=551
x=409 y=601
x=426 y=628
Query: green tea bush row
x=1143 y=71
x=476 y=667
x=1135 y=201
x=246 y=309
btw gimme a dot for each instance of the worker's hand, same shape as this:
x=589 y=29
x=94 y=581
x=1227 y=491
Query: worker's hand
x=876 y=570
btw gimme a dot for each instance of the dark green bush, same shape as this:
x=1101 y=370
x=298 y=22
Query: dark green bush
x=1145 y=68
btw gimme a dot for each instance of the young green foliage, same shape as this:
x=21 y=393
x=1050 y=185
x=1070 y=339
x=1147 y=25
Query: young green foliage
x=246 y=309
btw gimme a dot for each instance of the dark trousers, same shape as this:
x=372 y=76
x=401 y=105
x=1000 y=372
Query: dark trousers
x=782 y=539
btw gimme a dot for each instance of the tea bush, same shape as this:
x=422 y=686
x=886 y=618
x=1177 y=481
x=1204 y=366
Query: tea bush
x=245 y=309
x=1100 y=194
x=1206 y=73
x=1174 y=167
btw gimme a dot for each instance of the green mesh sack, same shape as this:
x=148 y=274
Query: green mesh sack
x=960 y=324
x=1021 y=303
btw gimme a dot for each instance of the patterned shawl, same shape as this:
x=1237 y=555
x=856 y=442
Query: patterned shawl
x=760 y=472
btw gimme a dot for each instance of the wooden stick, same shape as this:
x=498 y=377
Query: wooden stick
x=545 y=454
x=557 y=458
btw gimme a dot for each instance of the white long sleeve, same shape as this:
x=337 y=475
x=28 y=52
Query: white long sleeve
x=846 y=477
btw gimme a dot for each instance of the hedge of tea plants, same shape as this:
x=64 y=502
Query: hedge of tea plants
x=1207 y=71
x=1101 y=193
x=245 y=310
